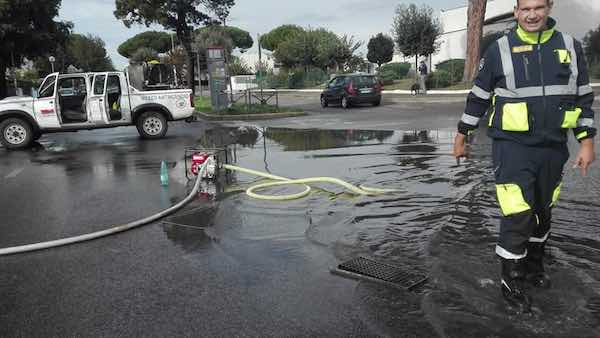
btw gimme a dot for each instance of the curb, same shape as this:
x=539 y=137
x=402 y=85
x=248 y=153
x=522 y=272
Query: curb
x=395 y=91
x=246 y=117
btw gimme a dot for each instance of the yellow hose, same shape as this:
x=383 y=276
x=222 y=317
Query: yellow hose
x=362 y=190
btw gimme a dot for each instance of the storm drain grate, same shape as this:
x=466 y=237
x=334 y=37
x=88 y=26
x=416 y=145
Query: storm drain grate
x=365 y=268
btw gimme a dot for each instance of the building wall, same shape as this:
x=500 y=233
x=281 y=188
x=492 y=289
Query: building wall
x=575 y=17
x=453 y=43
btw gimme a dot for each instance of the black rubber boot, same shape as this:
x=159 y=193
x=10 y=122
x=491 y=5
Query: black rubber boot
x=513 y=285
x=535 y=266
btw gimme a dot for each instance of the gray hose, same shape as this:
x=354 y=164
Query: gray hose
x=107 y=232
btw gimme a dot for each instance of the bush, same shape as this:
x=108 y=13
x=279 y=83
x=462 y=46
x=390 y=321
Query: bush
x=279 y=80
x=438 y=79
x=315 y=77
x=454 y=67
x=300 y=79
x=238 y=66
x=296 y=80
x=398 y=69
x=388 y=77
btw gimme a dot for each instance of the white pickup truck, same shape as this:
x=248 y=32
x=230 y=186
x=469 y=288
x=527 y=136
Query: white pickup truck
x=71 y=102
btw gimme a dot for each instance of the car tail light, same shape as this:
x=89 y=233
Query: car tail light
x=192 y=100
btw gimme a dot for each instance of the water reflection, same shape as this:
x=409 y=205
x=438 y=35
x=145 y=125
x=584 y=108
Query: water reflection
x=444 y=224
x=314 y=139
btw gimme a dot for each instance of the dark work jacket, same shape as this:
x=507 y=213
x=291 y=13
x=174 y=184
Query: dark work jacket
x=535 y=87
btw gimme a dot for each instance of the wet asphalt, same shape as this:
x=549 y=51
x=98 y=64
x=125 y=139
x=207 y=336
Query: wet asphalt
x=238 y=269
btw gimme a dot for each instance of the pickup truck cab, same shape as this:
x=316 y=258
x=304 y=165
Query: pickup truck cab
x=71 y=102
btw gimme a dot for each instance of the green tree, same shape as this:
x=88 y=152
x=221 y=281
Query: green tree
x=416 y=31
x=381 y=49
x=240 y=38
x=275 y=37
x=221 y=10
x=355 y=64
x=591 y=43
x=28 y=30
x=316 y=48
x=158 y=41
x=346 y=49
x=180 y=16
x=298 y=50
x=87 y=53
x=213 y=37
x=143 y=54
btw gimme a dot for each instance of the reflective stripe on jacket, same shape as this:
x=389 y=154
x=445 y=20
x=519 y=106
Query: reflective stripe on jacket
x=537 y=85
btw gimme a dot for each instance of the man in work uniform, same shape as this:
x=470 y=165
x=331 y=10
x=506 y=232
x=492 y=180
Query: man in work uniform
x=536 y=81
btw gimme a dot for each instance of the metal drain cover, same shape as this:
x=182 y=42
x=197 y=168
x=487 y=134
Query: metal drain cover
x=391 y=275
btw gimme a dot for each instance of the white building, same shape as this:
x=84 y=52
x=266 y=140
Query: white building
x=575 y=17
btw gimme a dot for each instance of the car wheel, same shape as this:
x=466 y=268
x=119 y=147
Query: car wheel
x=16 y=133
x=377 y=103
x=345 y=103
x=324 y=102
x=151 y=125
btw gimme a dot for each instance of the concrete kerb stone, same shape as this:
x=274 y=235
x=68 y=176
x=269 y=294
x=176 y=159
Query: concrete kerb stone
x=396 y=91
x=246 y=117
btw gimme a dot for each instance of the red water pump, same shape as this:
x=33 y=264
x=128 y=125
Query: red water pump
x=198 y=160
x=208 y=160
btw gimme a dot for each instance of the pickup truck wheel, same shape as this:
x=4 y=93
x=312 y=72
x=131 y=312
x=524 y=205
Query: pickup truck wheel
x=16 y=133
x=152 y=125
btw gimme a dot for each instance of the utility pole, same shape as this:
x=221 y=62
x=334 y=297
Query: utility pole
x=476 y=17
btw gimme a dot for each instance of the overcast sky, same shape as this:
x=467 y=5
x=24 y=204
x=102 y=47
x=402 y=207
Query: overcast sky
x=361 y=18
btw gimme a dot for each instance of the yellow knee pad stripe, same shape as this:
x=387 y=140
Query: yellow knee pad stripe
x=556 y=194
x=511 y=199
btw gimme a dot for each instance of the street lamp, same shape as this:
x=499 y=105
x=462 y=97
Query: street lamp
x=52 y=59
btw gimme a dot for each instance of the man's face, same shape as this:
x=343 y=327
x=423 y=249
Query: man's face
x=532 y=15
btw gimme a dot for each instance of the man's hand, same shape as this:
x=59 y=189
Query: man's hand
x=460 y=147
x=585 y=157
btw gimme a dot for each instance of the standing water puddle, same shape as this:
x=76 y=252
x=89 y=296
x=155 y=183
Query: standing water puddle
x=443 y=222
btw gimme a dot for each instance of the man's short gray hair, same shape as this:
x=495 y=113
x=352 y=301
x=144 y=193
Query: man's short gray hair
x=549 y=2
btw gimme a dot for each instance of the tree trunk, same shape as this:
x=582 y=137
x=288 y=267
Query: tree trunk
x=190 y=76
x=185 y=36
x=3 y=88
x=417 y=68
x=476 y=16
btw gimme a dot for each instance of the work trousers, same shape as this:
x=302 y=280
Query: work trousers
x=528 y=182
x=422 y=78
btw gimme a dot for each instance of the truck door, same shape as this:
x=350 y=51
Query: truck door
x=45 y=106
x=119 y=107
x=98 y=100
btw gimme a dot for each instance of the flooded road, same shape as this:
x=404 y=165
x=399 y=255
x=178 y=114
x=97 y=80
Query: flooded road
x=261 y=268
x=442 y=222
